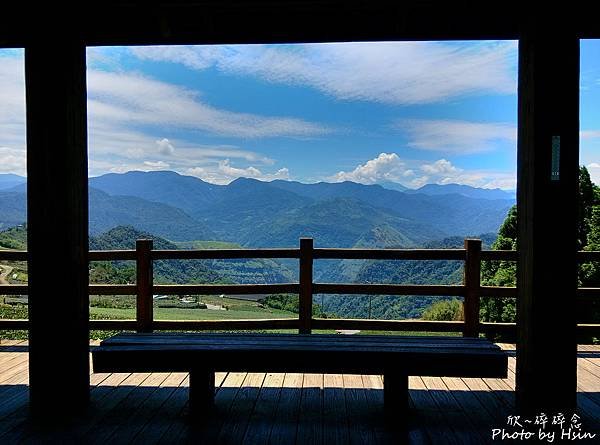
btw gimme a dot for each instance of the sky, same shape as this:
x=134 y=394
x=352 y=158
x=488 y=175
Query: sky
x=406 y=112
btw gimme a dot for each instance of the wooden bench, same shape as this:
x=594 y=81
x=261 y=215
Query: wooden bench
x=395 y=357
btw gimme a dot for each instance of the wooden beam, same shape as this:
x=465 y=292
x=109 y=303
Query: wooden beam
x=57 y=216
x=548 y=157
x=136 y=22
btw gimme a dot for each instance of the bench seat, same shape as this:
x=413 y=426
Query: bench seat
x=394 y=356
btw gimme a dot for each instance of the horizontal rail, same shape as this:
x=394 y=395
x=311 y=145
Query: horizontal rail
x=293 y=323
x=588 y=293
x=144 y=289
x=498 y=291
x=319 y=253
x=390 y=254
x=112 y=255
x=13 y=255
x=387 y=325
x=499 y=255
x=293 y=288
x=387 y=289
x=113 y=325
x=14 y=289
x=14 y=325
x=94 y=289
x=588 y=329
x=585 y=256
x=223 y=325
x=498 y=328
x=112 y=289
x=227 y=289
x=215 y=254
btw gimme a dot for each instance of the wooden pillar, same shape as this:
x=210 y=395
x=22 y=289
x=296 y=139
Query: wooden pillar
x=548 y=157
x=395 y=398
x=145 y=282
x=472 y=281
x=305 y=302
x=201 y=390
x=57 y=215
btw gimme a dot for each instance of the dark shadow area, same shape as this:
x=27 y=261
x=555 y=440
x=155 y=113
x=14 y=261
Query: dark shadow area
x=147 y=414
x=15 y=348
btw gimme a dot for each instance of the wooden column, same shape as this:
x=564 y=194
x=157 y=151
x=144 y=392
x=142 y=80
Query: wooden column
x=395 y=398
x=472 y=282
x=57 y=207
x=145 y=282
x=306 y=283
x=201 y=390
x=548 y=157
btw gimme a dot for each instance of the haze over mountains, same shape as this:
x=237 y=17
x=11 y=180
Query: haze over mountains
x=271 y=214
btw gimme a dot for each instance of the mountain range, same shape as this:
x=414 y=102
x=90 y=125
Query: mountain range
x=273 y=214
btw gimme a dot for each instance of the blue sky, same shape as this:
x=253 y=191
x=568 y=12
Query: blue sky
x=406 y=112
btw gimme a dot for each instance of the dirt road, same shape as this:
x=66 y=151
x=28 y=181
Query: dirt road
x=5 y=272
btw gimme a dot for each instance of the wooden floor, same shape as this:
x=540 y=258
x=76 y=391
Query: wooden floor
x=257 y=408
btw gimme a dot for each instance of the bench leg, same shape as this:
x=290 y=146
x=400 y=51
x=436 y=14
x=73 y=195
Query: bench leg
x=202 y=390
x=395 y=398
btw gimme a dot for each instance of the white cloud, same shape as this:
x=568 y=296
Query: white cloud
x=389 y=167
x=123 y=106
x=165 y=147
x=589 y=134
x=14 y=160
x=133 y=99
x=388 y=72
x=196 y=57
x=12 y=112
x=439 y=167
x=225 y=173
x=594 y=170
x=385 y=167
x=156 y=165
x=454 y=136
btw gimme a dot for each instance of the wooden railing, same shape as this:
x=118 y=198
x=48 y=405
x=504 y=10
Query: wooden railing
x=144 y=255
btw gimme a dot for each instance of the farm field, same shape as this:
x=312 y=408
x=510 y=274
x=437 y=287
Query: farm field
x=190 y=314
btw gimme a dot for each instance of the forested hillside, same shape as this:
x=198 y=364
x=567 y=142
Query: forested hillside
x=185 y=212
x=399 y=272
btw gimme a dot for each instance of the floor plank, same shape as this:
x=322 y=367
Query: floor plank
x=258 y=408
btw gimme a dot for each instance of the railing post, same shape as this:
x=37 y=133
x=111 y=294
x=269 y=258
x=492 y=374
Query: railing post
x=472 y=282
x=145 y=283
x=306 y=284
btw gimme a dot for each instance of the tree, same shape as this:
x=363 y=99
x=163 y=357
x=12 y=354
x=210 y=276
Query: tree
x=501 y=273
x=444 y=310
x=588 y=198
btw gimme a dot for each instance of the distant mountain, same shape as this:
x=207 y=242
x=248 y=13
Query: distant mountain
x=13 y=208
x=464 y=190
x=257 y=213
x=231 y=210
x=340 y=222
x=8 y=181
x=453 y=215
x=185 y=192
x=108 y=211
x=393 y=186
